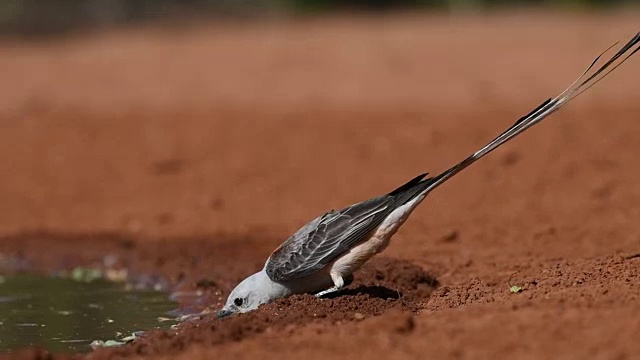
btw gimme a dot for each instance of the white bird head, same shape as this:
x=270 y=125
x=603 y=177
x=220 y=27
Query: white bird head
x=252 y=292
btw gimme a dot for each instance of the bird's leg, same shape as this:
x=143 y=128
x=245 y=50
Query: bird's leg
x=339 y=283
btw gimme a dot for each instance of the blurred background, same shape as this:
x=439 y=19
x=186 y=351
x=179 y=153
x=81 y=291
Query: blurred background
x=45 y=17
x=192 y=117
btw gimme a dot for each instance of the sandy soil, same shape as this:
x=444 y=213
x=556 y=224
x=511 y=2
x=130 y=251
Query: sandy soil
x=187 y=155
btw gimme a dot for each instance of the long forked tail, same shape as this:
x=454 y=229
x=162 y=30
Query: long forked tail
x=582 y=84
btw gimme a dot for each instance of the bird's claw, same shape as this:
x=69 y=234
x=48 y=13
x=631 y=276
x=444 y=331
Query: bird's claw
x=328 y=291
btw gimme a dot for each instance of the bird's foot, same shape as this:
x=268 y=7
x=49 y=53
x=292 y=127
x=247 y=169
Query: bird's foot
x=328 y=291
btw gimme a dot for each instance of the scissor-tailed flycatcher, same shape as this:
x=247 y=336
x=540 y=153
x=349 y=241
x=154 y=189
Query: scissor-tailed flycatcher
x=321 y=257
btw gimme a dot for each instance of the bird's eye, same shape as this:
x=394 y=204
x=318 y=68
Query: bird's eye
x=238 y=301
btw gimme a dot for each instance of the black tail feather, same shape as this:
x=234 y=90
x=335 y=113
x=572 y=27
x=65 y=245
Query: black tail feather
x=615 y=57
x=417 y=186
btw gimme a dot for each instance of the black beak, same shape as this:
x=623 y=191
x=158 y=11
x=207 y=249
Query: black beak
x=223 y=313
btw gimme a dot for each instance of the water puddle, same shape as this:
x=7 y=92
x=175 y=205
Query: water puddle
x=67 y=316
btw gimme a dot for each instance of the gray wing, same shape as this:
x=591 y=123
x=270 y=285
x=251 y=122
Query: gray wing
x=324 y=238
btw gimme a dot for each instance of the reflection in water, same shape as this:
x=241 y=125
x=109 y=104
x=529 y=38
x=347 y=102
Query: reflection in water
x=67 y=315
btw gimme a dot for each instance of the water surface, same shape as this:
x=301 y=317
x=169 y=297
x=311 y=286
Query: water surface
x=66 y=315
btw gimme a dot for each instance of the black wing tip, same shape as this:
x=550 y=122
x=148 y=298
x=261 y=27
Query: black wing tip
x=410 y=184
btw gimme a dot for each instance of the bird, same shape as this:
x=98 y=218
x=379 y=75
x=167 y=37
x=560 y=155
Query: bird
x=321 y=257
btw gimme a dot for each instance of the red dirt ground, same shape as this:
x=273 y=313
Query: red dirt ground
x=186 y=155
